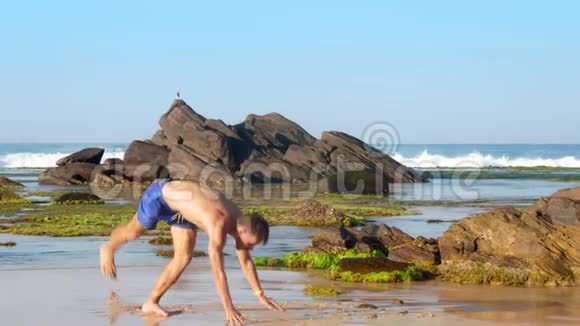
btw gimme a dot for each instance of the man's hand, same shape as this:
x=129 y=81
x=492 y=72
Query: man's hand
x=270 y=303
x=234 y=317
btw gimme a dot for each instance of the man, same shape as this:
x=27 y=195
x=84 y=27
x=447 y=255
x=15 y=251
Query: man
x=186 y=206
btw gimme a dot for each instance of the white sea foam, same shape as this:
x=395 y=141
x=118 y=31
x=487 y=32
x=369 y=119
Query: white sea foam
x=476 y=159
x=423 y=160
x=41 y=160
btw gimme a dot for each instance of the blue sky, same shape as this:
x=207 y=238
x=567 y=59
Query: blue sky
x=439 y=71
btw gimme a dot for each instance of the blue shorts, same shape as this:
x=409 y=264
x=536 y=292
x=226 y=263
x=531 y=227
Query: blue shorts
x=152 y=209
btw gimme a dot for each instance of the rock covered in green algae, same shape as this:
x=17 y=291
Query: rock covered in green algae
x=170 y=252
x=370 y=265
x=75 y=198
x=394 y=243
x=310 y=213
x=8 y=196
x=319 y=291
x=161 y=241
x=5 y=182
x=513 y=247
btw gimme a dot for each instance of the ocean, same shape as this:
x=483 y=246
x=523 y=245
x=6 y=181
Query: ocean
x=28 y=155
x=510 y=173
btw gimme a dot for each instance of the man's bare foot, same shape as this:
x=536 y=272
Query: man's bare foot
x=153 y=308
x=108 y=268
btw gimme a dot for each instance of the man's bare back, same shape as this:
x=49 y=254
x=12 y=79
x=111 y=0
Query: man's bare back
x=201 y=206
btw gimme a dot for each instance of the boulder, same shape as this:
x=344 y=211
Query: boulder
x=211 y=141
x=402 y=247
x=87 y=155
x=367 y=243
x=145 y=161
x=77 y=197
x=174 y=120
x=512 y=247
x=264 y=169
x=348 y=153
x=113 y=162
x=110 y=173
x=5 y=182
x=160 y=139
x=107 y=177
x=273 y=130
x=333 y=239
x=370 y=265
x=562 y=206
x=415 y=252
x=71 y=174
x=341 y=238
x=8 y=196
x=306 y=156
x=388 y=236
x=185 y=165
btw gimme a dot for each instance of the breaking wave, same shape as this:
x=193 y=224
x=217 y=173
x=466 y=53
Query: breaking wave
x=476 y=160
x=41 y=160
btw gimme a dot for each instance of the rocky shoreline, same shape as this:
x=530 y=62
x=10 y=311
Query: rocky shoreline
x=260 y=150
x=535 y=246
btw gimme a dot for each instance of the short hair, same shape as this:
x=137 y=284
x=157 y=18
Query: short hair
x=258 y=225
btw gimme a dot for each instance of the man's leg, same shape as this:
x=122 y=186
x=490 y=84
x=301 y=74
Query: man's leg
x=120 y=235
x=183 y=243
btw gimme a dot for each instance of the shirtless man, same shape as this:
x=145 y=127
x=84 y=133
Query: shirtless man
x=186 y=206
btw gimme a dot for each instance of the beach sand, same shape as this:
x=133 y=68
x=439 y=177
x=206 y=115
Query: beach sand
x=80 y=296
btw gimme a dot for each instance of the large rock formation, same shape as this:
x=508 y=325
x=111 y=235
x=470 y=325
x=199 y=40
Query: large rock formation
x=271 y=148
x=261 y=149
x=511 y=246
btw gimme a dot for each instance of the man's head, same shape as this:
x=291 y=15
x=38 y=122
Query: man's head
x=252 y=229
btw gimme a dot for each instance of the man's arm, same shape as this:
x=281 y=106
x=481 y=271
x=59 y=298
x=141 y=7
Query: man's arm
x=249 y=269
x=217 y=238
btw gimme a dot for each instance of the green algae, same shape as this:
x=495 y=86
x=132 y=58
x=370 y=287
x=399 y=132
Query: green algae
x=314 y=260
x=318 y=291
x=8 y=196
x=435 y=221
x=485 y=273
x=79 y=202
x=73 y=220
x=328 y=261
x=170 y=252
x=161 y=241
x=411 y=273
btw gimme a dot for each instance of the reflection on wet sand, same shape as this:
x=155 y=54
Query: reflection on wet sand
x=523 y=305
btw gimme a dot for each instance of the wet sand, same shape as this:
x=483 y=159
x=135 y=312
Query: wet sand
x=56 y=281
x=81 y=296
